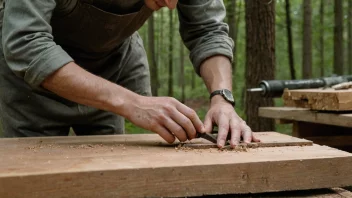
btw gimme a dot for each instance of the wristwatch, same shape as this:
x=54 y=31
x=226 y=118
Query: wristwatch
x=226 y=94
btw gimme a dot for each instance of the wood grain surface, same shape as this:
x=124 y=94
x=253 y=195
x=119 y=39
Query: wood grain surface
x=319 y=99
x=144 y=166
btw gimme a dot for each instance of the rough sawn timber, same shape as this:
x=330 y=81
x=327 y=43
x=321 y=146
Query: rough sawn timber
x=319 y=99
x=144 y=166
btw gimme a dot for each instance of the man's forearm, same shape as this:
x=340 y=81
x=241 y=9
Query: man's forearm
x=217 y=73
x=76 y=84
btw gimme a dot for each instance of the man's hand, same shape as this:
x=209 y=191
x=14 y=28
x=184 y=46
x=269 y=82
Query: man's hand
x=165 y=116
x=224 y=116
x=217 y=74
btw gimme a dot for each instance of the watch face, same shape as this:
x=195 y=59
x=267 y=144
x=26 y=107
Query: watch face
x=228 y=95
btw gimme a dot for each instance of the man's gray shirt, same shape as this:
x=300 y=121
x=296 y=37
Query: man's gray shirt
x=32 y=52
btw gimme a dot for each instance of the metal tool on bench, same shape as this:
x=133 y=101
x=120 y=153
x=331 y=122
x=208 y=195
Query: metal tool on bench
x=275 y=88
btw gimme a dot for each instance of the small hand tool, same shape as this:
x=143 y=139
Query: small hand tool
x=212 y=137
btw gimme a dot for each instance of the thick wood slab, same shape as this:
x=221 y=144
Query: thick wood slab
x=306 y=115
x=144 y=166
x=319 y=99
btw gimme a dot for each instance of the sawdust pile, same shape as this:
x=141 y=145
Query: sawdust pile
x=42 y=146
x=201 y=148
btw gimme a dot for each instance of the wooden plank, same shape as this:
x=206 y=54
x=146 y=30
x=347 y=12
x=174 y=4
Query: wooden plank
x=144 y=166
x=319 y=99
x=306 y=115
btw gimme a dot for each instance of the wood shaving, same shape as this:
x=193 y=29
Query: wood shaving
x=42 y=146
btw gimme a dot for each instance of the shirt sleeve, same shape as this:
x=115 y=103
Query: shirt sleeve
x=27 y=40
x=203 y=31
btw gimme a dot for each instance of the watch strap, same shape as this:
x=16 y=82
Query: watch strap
x=214 y=93
x=226 y=94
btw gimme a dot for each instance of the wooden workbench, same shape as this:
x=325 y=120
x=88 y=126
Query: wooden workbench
x=324 y=128
x=144 y=166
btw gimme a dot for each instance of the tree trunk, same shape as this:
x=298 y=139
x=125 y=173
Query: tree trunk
x=260 y=58
x=338 y=38
x=289 y=40
x=349 y=43
x=321 y=38
x=307 y=40
x=152 y=62
x=182 y=72
x=162 y=44
x=171 y=49
x=231 y=15
x=238 y=20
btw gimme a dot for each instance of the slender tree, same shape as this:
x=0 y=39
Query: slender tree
x=260 y=58
x=171 y=49
x=349 y=43
x=162 y=43
x=307 y=39
x=152 y=58
x=231 y=18
x=289 y=40
x=338 y=38
x=182 y=72
x=238 y=19
x=321 y=38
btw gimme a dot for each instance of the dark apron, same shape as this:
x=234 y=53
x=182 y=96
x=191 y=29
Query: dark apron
x=89 y=32
x=103 y=43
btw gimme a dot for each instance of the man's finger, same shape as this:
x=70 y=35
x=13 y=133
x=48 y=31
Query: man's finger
x=176 y=130
x=223 y=130
x=246 y=133
x=165 y=134
x=192 y=115
x=235 y=133
x=185 y=123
